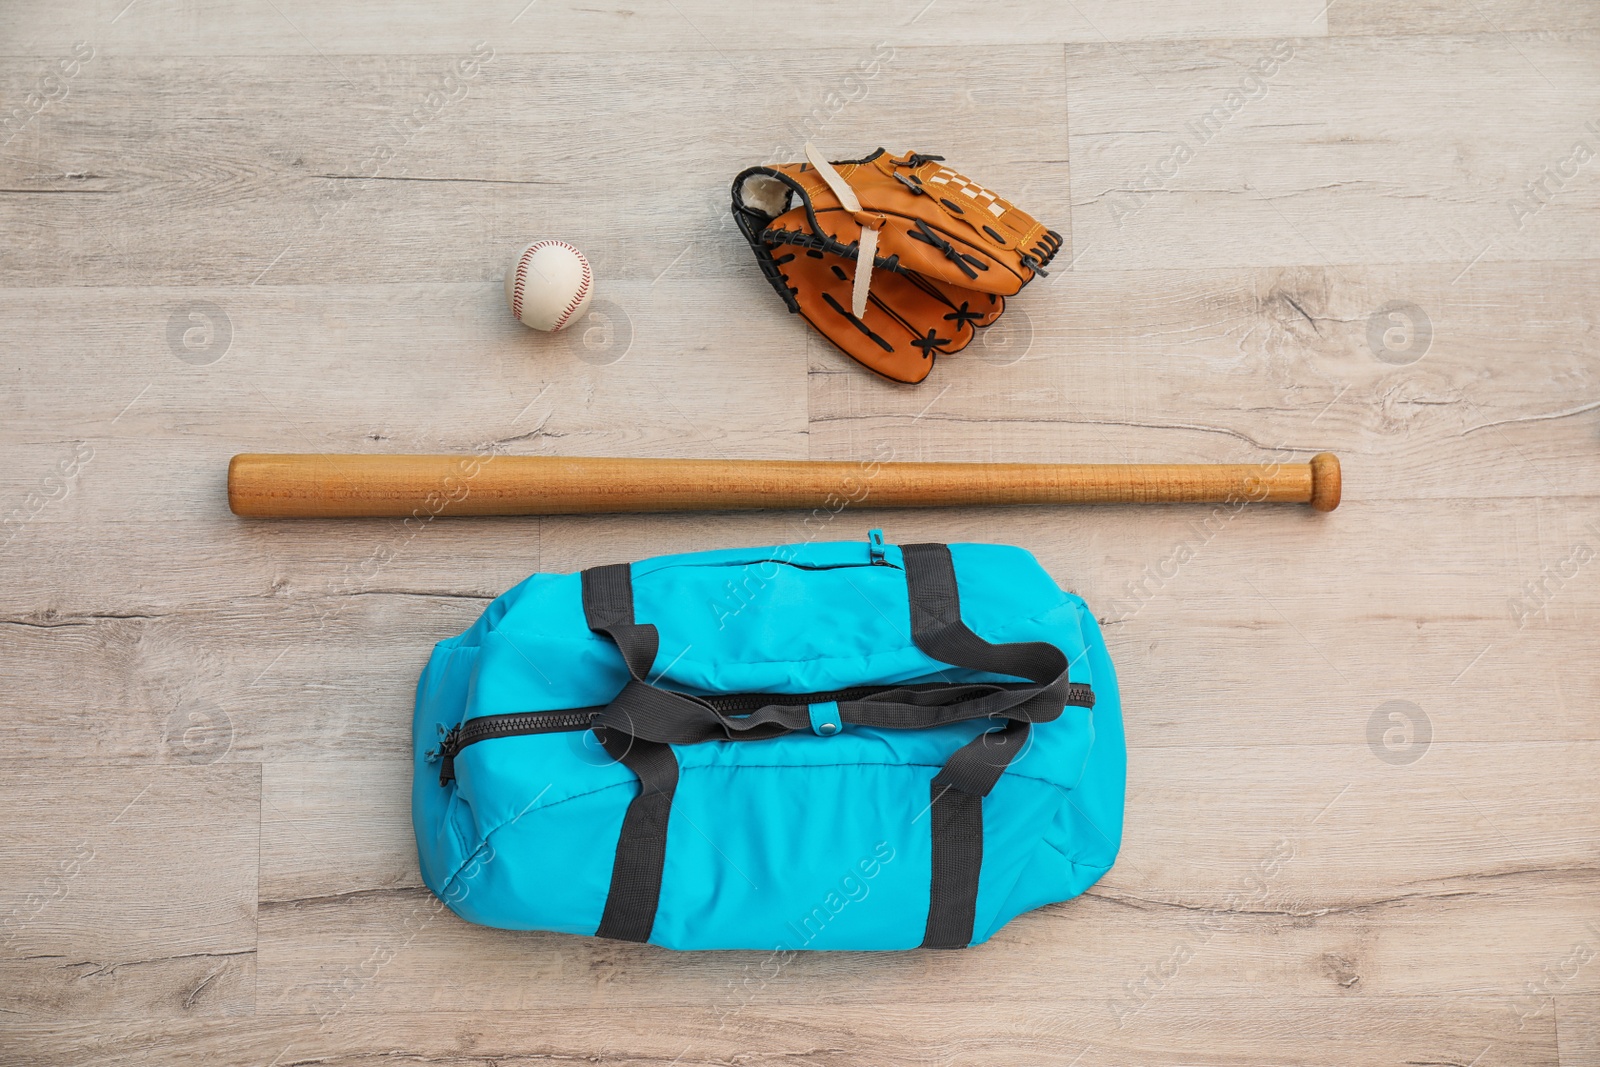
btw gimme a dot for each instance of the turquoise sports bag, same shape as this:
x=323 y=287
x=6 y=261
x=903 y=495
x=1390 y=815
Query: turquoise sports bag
x=846 y=745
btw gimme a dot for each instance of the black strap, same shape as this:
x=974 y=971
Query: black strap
x=957 y=791
x=655 y=714
x=630 y=911
x=608 y=609
x=956 y=821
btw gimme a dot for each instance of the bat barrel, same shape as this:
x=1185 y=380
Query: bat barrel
x=386 y=486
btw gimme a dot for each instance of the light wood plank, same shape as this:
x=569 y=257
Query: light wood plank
x=1472 y=417
x=1125 y=560
x=1386 y=18
x=306 y=372
x=1355 y=150
x=300 y=28
x=311 y=954
x=1054 y=1028
x=1578 y=1022
x=336 y=829
x=345 y=691
x=128 y=891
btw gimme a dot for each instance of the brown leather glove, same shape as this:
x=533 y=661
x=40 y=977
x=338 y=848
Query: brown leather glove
x=893 y=259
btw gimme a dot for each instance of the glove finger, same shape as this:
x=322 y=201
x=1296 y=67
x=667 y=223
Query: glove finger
x=924 y=312
x=903 y=329
x=962 y=304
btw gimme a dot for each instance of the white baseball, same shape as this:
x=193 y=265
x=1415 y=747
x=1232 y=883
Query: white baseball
x=549 y=285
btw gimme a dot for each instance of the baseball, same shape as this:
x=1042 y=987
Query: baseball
x=549 y=285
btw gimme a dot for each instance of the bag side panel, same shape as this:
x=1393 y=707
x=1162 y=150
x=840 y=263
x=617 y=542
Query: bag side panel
x=550 y=869
x=1007 y=597
x=1097 y=802
x=1082 y=842
x=445 y=831
x=533 y=651
x=540 y=654
x=1078 y=758
x=823 y=856
x=1004 y=591
x=1013 y=813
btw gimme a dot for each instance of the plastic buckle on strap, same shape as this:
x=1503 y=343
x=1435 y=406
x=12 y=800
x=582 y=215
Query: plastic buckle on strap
x=875 y=548
x=825 y=720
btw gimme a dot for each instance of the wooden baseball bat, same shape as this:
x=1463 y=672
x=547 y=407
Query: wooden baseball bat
x=381 y=486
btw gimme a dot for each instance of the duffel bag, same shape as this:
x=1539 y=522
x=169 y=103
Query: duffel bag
x=847 y=745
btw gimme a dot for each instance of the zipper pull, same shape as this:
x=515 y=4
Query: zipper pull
x=432 y=755
x=445 y=754
x=875 y=548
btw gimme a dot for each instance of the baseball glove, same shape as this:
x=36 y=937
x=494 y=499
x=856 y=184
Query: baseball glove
x=894 y=259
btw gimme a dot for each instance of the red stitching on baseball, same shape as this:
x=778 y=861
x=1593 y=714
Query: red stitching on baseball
x=583 y=289
x=522 y=277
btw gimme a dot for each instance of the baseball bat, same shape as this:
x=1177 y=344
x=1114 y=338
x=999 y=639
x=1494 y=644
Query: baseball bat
x=302 y=486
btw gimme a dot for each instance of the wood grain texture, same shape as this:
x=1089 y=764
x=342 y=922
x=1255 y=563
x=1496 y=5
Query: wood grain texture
x=1192 y=154
x=1388 y=18
x=143 y=902
x=303 y=28
x=1578 y=1028
x=1054 y=1031
x=206 y=720
x=311 y=958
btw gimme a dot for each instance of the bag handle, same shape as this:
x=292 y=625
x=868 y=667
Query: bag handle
x=651 y=713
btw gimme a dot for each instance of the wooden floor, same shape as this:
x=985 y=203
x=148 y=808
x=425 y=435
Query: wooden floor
x=1364 y=769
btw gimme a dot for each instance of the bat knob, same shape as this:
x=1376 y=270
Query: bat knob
x=1324 y=481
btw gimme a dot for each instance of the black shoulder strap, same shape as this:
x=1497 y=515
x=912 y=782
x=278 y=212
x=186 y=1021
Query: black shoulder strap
x=630 y=911
x=957 y=791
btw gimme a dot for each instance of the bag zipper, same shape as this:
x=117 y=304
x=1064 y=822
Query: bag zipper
x=512 y=724
x=525 y=723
